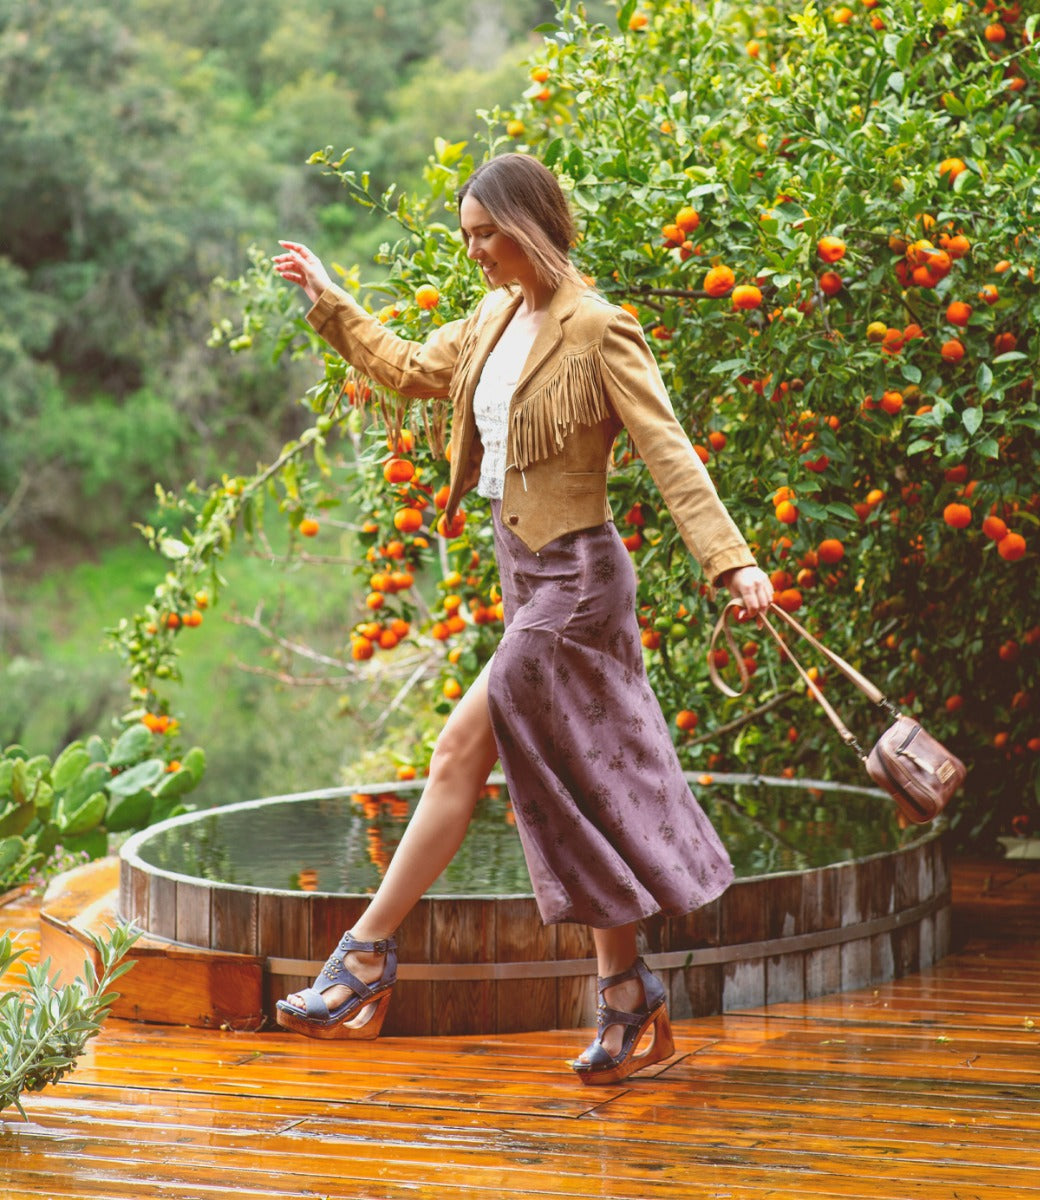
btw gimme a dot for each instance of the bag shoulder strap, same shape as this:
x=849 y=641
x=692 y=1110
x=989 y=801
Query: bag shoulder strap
x=722 y=629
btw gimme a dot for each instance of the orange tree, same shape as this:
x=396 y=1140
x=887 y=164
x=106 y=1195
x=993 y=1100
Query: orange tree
x=826 y=220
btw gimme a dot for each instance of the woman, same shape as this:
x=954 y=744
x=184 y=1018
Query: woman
x=542 y=377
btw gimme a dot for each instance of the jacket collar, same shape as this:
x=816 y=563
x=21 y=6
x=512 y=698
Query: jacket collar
x=550 y=332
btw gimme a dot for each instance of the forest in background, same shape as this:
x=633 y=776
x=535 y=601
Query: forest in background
x=146 y=145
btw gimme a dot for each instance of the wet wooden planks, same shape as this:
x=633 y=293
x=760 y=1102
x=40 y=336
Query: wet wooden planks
x=924 y=1088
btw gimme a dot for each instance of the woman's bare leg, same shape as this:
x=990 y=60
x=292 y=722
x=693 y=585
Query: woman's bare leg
x=615 y=953
x=463 y=757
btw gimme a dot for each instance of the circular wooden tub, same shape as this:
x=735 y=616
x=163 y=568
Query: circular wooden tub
x=486 y=964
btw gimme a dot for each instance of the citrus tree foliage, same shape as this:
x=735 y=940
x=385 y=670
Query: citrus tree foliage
x=825 y=218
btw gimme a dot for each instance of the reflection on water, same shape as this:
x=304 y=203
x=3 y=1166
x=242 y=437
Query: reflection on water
x=343 y=843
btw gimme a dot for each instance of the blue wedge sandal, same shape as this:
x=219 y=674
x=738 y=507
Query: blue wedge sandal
x=361 y=1015
x=597 y=1065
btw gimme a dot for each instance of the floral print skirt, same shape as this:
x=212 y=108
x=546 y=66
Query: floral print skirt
x=610 y=830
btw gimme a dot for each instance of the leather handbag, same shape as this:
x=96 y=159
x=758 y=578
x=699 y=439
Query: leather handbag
x=916 y=770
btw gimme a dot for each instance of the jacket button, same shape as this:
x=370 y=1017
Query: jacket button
x=513 y=519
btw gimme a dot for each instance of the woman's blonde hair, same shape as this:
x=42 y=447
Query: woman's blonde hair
x=526 y=202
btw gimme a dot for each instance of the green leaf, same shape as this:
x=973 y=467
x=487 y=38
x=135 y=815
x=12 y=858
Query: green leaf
x=972 y=419
x=87 y=817
x=133 y=744
x=12 y=850
x=129 y=812
x=93 y=779
x=195 y=762
x=176 y=783
x=69 y=765
x=144 y=775
x=16 y=819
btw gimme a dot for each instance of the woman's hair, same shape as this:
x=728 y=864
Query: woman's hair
x=526 y=202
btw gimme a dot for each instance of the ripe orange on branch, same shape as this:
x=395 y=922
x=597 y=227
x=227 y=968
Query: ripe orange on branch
x=830 y=249
x=427 y=296
x=957 y=516
x=719 y=281
x=407 y=520
x=746 y=296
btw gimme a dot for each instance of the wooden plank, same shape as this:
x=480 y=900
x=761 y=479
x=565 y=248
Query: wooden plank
x=520 y=936
x=923 y=1088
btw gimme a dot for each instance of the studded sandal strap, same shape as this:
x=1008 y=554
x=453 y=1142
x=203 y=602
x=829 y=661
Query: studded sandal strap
x=612 y=980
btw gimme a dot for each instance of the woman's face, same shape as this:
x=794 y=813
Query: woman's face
x=497 y=254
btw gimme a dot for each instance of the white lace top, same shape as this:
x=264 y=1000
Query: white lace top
x=498 y=381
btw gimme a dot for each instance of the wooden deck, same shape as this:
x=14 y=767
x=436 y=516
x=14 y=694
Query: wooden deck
x=924 y=1088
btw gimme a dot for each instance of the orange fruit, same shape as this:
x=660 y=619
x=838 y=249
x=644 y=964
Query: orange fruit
x=172 y=620
x=454 y=527
x=1011 y=547
x=515 y=128
x=786 y=512
x=686 y=720
x=1004 y=343
x=717 y=440
x=918 y=253
x=957 y=516
x=892 y=402
x=361 y=648
x=746 y=296
x=452 y=689
x=790 y=599
x=995 y=33
x=427 y=296
x=638 y=21
x=688 y=219
x=995 y=528
x=375 y=600
x=830 y=551
x=672 y=234
x=956 y=246
x=988 y=293
x=831 y=283
x=398 y=470
x=650 y=638
x=952 y=351
x=950 y=168
x=893 y=340
x=876 y=331
x=830 y=249
x=719 y=281
x=958 y=312
x=407 y=520
x=540 y=74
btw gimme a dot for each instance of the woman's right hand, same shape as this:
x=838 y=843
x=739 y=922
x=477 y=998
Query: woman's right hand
x=302 y=266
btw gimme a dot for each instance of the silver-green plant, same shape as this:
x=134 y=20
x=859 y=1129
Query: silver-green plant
x=44 y=1026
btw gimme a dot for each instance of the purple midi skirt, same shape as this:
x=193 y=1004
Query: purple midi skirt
x=610 y=830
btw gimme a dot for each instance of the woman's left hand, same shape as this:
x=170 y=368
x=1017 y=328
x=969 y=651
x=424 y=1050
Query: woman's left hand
x=752 y=588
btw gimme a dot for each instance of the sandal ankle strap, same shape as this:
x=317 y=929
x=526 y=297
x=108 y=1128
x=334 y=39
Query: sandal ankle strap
x=383 y=946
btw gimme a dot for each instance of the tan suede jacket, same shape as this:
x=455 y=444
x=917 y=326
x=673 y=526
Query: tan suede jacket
x=589 y=373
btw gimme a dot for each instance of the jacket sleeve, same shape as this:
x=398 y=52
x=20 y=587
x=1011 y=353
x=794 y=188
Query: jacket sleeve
x=418 y=370
x=636 y=390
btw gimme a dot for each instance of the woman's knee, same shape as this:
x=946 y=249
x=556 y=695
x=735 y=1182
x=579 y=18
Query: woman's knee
x=465 y=750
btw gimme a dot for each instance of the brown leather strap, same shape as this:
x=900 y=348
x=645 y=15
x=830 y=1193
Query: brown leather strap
x=722 y=629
